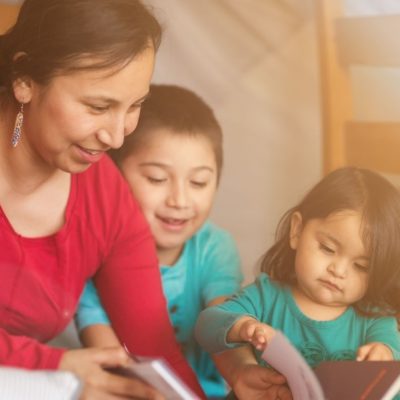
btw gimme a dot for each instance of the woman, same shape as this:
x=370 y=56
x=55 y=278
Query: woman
x=73 y=75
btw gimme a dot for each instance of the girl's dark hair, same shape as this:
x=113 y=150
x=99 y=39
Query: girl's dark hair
x=52 y=36
x=378 y=201
x=179 y=110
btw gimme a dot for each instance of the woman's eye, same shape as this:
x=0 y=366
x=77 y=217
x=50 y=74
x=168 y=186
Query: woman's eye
x=156 y=181
x=135 y=107
x=326 y=248
x=199 y=184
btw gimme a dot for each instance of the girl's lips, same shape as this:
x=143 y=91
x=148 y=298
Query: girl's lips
x=89 y=156
x=330 y=285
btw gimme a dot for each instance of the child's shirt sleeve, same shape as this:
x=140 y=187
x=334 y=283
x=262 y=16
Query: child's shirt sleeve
x=90 y=310
x=215 y=322
x=384 y=330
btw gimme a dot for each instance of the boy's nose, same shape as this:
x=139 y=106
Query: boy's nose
x=178 y=196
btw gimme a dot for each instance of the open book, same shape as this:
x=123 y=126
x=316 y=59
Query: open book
x=157 y=373
x=332 y=380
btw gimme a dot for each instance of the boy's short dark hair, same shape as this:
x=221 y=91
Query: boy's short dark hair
x=179 y=110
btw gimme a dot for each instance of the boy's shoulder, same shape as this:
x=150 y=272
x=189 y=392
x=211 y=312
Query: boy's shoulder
x=211 y=232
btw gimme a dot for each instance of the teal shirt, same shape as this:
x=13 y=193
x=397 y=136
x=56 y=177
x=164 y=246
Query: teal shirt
x=317 y=341
x=208 y=267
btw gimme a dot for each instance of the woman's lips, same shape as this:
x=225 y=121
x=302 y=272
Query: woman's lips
x=90 y=156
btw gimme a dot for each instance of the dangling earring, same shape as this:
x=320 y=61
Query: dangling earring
x=16 y=136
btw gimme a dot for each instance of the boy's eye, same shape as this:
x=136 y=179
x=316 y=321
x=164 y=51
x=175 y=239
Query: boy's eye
x=156 y=181
x=326 y=248
x=361 y=267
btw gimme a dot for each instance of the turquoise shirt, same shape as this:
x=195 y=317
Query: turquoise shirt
x=273 y=304
x=208 y=267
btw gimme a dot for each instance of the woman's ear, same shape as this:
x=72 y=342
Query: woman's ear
x=296 y=226
x=23 y=85
x=22 y=88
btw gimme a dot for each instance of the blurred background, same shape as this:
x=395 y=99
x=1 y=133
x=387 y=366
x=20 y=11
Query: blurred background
x=256 y=62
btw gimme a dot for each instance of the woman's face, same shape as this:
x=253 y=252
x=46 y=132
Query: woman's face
x=71 y=122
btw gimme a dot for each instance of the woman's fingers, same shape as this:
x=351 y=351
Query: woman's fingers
x=127 y=386
x=90 y=366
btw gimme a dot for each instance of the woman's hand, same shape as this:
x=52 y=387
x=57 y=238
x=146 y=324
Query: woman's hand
x=255 y=382
x=98 y=384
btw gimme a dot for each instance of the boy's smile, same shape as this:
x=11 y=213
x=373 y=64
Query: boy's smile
x=174 y=178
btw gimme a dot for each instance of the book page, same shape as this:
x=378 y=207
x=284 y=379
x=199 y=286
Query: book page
x=284 y=357
x=158 y=374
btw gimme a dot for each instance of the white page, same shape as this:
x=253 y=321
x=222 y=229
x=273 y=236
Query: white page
x=285 y=358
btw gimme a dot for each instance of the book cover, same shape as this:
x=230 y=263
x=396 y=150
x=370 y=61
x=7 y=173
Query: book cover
x=332 y=380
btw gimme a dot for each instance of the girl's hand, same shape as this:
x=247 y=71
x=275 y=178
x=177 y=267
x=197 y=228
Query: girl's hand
x=256 y=333
x=98 y=384
x=255 y=382
x=374 y=351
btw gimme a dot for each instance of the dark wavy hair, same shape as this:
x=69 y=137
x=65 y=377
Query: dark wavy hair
x=53 y=36
x=182 y=112
x=378 y=201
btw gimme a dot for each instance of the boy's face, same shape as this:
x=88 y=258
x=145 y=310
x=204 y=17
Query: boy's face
x=174 y=178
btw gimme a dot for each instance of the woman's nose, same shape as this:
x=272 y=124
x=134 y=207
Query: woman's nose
x=114 y=135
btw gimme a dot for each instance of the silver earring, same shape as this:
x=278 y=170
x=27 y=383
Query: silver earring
x=16 y=136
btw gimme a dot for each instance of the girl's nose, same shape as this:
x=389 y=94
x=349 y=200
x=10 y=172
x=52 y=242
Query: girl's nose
x=338 y=268
x=178 y=196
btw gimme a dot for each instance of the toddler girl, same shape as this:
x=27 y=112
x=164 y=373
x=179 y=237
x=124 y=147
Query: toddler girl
x=330 y=282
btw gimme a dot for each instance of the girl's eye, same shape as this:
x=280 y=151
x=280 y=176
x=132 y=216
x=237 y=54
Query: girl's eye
x=156 y=180
x=199 y=184
x=326 y=248
x=361 y=267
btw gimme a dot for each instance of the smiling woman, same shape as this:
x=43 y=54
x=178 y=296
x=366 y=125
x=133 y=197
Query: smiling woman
x=73 y=75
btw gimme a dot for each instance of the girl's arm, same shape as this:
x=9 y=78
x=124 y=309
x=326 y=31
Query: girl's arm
x=374 y=352
x=382 y=340
x=248 y=329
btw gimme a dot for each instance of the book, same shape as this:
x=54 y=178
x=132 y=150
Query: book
x=158 y=374
x=332 y=380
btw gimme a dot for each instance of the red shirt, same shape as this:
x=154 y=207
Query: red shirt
x=106 y=236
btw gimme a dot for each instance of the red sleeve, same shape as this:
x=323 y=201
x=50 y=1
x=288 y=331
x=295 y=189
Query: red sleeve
x=129 y=284
x=22 y=351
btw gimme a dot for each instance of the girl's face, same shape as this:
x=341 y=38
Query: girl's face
x=73 y=121
x=174 y=178
x=331 y=263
